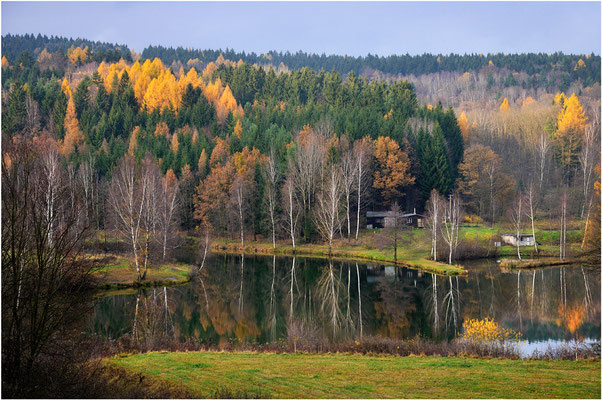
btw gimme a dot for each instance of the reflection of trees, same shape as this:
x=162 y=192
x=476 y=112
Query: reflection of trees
x=396 y=309
x=316 y=294
x=152 y=318
x=359 y=299
x=327 y=290
x=450 y=309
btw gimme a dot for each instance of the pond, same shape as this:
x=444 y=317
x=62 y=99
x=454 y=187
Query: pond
x=257 y=299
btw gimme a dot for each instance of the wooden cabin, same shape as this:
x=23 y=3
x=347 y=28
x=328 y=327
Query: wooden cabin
x=386 y=219
x=524 y=239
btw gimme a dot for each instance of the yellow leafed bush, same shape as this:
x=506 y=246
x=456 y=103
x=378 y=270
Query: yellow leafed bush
x=487 y=330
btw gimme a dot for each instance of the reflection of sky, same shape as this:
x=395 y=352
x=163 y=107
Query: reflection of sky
x=527 y=348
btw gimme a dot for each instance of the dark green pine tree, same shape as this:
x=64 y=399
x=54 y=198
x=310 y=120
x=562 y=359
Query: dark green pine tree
x=81 y=97
x=453 y=138
x=13 y=120
x=58 y=114
x=441 y=171
x=424 y=144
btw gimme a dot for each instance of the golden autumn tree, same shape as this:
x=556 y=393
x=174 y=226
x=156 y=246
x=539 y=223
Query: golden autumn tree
x=5 y=63
x=560 y=99
x=571 y=126
x=392 y=169
x=162 y=129
x=528 y=101
x=77 y=55
x=73 y=135
x=175 y=143
x=65 y=88
x=238 y=129
x=220 y=154
x=133 y=145
x=464 y=127
x=505 y=106
x=580 y=64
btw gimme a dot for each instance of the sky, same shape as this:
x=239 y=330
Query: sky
x=352 y=28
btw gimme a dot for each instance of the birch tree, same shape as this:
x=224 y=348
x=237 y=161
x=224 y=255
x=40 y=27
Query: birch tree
x=270 y=173
x=542 y=148
x=362 y=152
x=516 y=214
x=349 y=171
x=168 y=210
x=291 y=209
x=450 y=226
x=327 y=214
x=531 y=201
x=587 y=160
x=434 y=210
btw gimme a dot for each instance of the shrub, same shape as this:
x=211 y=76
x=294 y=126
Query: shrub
x=487 y=330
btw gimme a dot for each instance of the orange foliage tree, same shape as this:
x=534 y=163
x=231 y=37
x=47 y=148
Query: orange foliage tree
x=392 y=168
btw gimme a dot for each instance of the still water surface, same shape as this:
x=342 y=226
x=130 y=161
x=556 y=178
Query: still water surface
x=254 y=299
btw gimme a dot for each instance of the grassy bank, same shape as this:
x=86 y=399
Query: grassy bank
x=207 y=374
x=119 y=272
x=535 y=263
x=407 y=256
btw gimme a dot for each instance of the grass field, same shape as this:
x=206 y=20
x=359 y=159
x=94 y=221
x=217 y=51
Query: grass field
x=119 y=271
x=413 y=248
x=203 y=374
x=412 y=255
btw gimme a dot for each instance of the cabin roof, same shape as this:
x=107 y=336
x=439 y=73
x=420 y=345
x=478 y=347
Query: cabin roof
x=383 y=214
x=522 y=235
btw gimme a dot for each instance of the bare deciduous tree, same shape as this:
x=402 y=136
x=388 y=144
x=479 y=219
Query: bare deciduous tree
x=328 y=208
x=348 y=177
x=270 y=173
x=291 y=209
x=168 y=209
x=44 y=276
x=531 y=200
x=434 y=209
x=132 y=198
x=542 y=147
x=451 y=223
x=362 y=152
x=516 y=214
x=587 y=160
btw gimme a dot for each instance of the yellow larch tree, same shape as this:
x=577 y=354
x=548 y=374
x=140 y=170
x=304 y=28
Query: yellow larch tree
x=175 y=143
x=238 y=129
x=571 y=126
x=133 y=145
x=464 y=127
x=73 y=135
x=560 y=99
x=5 y=63
x=528 y=101
x=65 y=88
x=505 y=106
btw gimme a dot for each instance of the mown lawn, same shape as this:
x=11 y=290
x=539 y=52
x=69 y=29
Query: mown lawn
x=203 y=374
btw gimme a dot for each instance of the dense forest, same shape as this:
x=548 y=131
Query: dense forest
x=274 y=145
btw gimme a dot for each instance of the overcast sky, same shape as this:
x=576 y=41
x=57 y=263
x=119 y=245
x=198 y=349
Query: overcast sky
x=351 y=28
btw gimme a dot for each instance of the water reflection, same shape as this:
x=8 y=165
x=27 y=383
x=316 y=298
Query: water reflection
x=262 y=299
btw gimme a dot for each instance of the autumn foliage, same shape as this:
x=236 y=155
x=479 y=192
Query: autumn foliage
x=487 y=330
x=156 y=88
x=392 y=171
